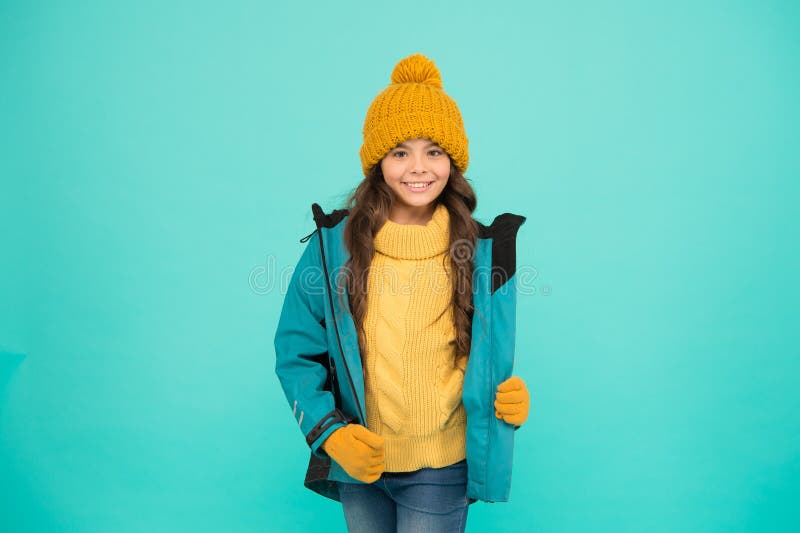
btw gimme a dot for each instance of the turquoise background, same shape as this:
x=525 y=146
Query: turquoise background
x=158 y=164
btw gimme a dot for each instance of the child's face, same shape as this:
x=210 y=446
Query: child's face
x=416 y=161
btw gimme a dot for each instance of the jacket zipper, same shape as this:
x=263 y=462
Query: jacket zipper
x=336 y=329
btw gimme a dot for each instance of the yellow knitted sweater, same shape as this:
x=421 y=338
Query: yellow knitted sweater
x=413 y=389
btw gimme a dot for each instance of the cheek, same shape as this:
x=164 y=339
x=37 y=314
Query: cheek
x=391 y=171
x=391 y=177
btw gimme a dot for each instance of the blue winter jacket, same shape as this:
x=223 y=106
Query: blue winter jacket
x=319 y=365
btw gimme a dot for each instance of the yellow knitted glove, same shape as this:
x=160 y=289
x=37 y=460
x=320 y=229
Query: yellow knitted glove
x=358 y=450
x=512 y=401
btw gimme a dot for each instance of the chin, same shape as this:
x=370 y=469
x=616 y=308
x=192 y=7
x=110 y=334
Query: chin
x=419 y=201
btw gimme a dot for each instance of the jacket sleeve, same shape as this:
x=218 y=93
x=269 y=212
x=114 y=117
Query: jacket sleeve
x=301 y=351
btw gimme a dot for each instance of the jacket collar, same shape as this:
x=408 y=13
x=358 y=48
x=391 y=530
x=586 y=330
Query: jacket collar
x=502 y=232
x=504 y=225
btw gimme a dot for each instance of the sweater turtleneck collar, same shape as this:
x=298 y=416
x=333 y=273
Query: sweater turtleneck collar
x=414 y=241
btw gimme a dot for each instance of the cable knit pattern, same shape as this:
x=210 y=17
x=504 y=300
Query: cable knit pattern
x=413 y=390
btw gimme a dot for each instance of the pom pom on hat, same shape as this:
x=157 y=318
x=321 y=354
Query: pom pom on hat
x=413 y=105
x=417 y=69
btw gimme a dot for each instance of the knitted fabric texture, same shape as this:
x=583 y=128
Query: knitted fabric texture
x=413 y=390
x=413 y=105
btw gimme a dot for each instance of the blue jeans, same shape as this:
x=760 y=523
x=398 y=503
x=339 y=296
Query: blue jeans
x=429 y=500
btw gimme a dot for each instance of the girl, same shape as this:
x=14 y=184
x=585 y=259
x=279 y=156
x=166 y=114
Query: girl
x=396 y=339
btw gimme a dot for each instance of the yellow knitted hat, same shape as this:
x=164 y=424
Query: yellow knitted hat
x=413 y=105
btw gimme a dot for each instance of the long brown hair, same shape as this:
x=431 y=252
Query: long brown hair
x=369 y=205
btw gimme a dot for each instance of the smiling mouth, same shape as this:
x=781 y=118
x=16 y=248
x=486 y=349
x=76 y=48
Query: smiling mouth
x=417 y=186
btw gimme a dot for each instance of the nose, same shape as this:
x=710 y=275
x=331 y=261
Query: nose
x=418 y=164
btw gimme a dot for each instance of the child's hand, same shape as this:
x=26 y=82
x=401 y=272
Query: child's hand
x=512 y=401
x=358 y=450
